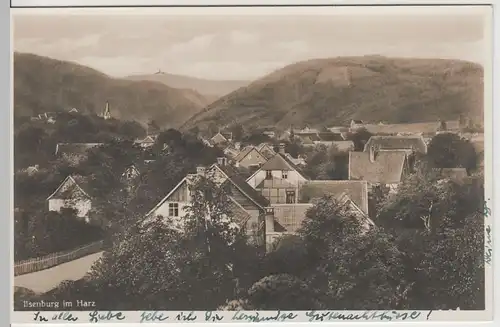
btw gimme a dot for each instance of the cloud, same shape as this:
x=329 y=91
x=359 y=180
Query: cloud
x=238 y=37
x=196 y=44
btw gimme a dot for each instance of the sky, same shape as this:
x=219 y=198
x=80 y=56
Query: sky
x=244 y=45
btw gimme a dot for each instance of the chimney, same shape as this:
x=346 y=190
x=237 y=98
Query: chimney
x=269 y=220
x=200 y=171
x=373 y=153
x=237 y=145
x=282 y=148
x=221 y=161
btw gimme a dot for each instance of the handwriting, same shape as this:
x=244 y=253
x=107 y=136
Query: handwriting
x=429 y=314
x=257 y=318
x=152 y=317
x=488 y=251
x=486 y=209
x=182 y=316
x=65 y=316
x=386 y=315
x=39 y=317
x=209 y=316
x=95 y=316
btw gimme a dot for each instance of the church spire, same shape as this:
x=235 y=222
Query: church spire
x=106 y=114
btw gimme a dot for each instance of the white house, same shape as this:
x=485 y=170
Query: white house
x=73 y=193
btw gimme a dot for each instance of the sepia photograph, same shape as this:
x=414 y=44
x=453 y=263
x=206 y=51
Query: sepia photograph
x=251 y=159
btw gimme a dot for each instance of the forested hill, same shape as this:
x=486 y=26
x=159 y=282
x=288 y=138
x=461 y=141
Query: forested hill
x=370 y=88
x=43 y=84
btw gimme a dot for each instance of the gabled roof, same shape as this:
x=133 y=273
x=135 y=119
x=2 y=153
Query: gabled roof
x=243 y=153
x=75 y=148
x=219 y=135
x=357 y=121
x=387 y=168
x=357 y=191
x=401 y=142
x=235 y=178
x=147 y=139
x=289 y=217
x=329 y=136
x=81 y=182
x=280 y=162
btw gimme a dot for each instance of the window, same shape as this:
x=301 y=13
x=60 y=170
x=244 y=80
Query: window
x=173 y=209
x=290 y=197
x=269 y=174
x=284 y=174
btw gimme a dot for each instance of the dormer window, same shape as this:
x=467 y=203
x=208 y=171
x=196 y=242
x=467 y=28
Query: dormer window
x=284 y=174
x=269 y=174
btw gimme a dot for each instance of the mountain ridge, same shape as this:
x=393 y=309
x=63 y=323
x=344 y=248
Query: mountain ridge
x=43 y=84
x=332 y=91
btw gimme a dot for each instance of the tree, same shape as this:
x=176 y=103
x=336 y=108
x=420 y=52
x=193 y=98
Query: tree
x=448 y=150
x=360 y=137
x=353 y=267
x=282 y=292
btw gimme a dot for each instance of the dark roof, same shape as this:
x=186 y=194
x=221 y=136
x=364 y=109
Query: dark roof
x=397 y=143
x=243 y=186
x=289 y=217
x=75 y=148
x=387 y=168
x=329 y=136
x=357 y=121
x=357 y=191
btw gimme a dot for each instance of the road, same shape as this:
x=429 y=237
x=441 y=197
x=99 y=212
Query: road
x=45 y=280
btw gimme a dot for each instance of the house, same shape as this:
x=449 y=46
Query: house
x=338 y=129
x=356 y=124
x=299 y=161
x=343 y=146
x=131 y=172
x=74 y=153
x=206 y=142
x=73 y=110
x=146 y=142
x=266 y=150
x=278 y=179
x=249 y=207
x=221 y=138
x=270 y=134
x=31 y=170
x=288 y=217
x=249 y=157
x=379 y=167
x=231 y=151
x=405 y=143
x=73 y=192
x=429 y=128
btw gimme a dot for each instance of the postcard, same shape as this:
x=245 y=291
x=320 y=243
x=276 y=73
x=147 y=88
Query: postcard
x=252 y=164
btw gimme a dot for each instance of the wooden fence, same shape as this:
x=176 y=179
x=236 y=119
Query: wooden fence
x=36 y=264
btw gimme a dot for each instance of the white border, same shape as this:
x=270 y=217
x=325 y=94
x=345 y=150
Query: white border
x=456 y=316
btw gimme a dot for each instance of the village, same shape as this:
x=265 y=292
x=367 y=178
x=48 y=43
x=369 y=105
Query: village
x=270 y=190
